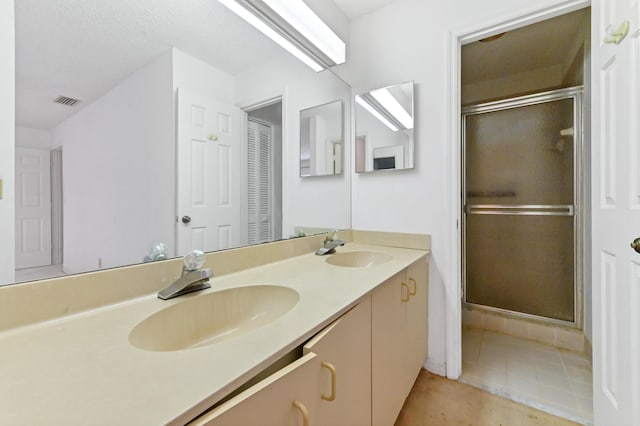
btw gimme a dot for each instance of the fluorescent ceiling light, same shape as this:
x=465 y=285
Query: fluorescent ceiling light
x=391 y=104
x=305 y=21
x=360 y=100
x=271 y=33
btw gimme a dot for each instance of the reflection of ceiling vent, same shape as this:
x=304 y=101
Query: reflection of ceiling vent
x=66 y=101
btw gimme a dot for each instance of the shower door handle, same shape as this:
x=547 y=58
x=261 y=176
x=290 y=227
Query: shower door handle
x=636 y=245
x=521 y=209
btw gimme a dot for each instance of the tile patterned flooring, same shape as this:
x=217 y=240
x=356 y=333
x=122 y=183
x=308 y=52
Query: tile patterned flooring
x=544 y=377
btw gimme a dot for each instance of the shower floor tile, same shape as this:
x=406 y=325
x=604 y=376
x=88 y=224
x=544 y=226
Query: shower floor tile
x=551 y=379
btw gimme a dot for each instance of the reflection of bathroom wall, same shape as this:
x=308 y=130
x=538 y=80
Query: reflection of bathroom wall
x=196 y=76
x=321 y=202
x=318 y=137
x=321 y=131
x=320 y=128
x=119 y=172
x=380 y=136
x=329 y=131
x=132 y=125
x=28 y=137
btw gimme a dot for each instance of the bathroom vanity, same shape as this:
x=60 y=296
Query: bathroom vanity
x=281 y=338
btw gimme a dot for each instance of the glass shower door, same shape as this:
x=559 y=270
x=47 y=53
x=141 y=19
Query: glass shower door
x=520 y=224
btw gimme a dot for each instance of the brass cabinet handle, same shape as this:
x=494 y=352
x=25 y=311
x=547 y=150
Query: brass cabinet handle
x=636 y=245
x=303 y=410
x=415 y=287
x=403 y=286
x=331 y=369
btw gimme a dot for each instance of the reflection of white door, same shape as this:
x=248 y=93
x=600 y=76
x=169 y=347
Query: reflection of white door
x=361 y=153
x=33 y=208
x=334 y=157
x=259 y=182
x=616 y=216
x=209 y=165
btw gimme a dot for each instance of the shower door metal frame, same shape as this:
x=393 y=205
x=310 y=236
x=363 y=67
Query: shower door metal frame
x=576 y=210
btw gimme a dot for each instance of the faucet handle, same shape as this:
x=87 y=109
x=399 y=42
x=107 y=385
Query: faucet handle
x=331 y=236
x=194 y=260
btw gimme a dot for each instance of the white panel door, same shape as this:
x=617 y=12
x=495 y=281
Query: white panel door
x=33 y=208
x=616 y=214
x=209 y=174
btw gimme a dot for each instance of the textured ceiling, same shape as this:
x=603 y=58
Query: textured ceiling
x=82 y=48
x=539 y=45
x=356 y=8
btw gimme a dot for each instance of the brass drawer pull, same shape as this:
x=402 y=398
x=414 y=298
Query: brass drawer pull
x=332 y=369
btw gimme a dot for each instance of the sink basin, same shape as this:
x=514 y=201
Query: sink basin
x=357 y=259
x=209 y=318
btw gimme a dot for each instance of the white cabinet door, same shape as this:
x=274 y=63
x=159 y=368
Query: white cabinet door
x=388 y=363
x=616 y=214
x=33 y=208
x=417 y=321
x=211 y=208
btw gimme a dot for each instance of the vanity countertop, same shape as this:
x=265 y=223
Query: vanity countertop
x=82 y=369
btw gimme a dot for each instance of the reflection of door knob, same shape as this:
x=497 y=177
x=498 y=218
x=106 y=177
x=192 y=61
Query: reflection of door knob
x=636 y=245
x=186 y=219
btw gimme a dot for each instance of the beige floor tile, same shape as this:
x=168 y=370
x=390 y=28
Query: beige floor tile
x=543 y=376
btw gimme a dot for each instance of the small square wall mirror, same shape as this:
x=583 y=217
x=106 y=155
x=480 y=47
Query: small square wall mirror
x=321 y=144
x=384 y=128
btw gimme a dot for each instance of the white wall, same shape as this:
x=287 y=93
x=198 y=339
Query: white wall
x=28 y=137
x=118 y=176
x=197 y=76
x=378 y=135
x=409 y=40
x=7 y=144
x=322 y=201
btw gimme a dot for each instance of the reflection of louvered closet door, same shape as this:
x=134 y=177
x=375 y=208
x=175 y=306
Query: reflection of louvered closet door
x=259 y=182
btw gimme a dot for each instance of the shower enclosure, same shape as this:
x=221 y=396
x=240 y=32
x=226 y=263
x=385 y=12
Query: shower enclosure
x=522 y=217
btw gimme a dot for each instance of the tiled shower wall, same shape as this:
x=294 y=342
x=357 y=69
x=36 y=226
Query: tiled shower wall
x=550 y=334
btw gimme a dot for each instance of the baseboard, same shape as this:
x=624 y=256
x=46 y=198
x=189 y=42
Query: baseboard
x=436 y=367
x=588 y=350
x=560 y=336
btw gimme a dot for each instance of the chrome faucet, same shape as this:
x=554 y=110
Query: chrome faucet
x=192 y=278
x=330 y=244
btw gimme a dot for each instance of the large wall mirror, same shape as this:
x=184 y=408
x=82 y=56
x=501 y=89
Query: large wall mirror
x=173 y=122
x=321 y=140
x=384 y=129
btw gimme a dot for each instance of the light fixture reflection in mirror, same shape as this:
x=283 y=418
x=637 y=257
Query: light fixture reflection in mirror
x=321 y=145
x=384 y=128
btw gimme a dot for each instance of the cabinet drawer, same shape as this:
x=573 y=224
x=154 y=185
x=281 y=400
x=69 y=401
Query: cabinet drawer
x=277 y=400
